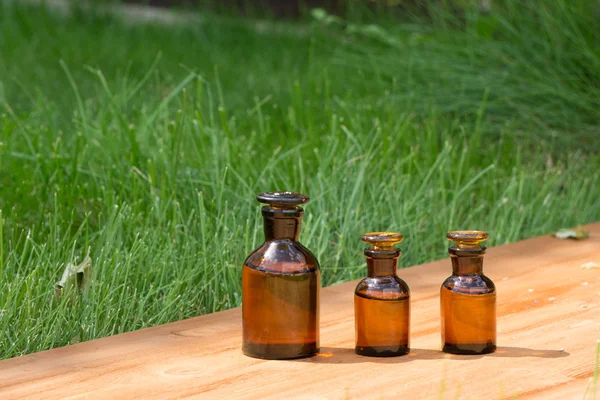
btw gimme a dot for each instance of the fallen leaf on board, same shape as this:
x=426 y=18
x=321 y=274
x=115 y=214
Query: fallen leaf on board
x=576 y=234
x=590 y=265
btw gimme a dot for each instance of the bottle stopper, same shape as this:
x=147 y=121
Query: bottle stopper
x=282 y=199
x=384 y=241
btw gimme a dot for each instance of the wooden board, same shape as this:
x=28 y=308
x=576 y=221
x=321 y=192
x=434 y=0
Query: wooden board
x=548 y=325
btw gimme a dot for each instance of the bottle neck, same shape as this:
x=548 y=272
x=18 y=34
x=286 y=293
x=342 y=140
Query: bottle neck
x=467 y=265
x=282 y=223
x=382 y=263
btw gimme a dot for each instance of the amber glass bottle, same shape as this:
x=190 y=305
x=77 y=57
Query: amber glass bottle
x=280 y=285
x=468 y=298
x=382 y=301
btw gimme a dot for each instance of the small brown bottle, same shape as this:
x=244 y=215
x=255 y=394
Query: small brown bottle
x=280 y=286
x=468 y=298
x=382 y=301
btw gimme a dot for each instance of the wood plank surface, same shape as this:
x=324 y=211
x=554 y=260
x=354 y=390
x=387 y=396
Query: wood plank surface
x=548 y=326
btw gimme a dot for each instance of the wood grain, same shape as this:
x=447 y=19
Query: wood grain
x=548 y=325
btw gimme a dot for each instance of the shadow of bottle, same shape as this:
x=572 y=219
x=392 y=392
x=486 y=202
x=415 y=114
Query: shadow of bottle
x=340 y=355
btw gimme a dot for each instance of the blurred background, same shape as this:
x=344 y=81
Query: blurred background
x=140 y=134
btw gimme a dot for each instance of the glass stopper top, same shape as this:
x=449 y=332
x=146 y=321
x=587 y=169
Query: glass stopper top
x=467 y=238
x=382 y=240
x=282 y=199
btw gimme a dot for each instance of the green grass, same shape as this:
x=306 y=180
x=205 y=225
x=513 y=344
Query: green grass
x=147 y=144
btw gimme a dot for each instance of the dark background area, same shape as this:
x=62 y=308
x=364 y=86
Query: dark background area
x=291 y=8
x=284 y=8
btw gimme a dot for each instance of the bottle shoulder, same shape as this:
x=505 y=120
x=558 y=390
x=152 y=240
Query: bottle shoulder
x=283 y=256
x=469 y=284
x=383 y=287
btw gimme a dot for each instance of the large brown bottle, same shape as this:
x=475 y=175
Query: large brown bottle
x=468 y=298
x=280 y=285
x=382 y=301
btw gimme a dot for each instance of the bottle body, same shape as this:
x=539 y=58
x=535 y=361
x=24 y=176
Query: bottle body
x=468 y=298
x=382 y=301
x=281 y=281
x=468 y=306
x=280 y=304
x=382 y=317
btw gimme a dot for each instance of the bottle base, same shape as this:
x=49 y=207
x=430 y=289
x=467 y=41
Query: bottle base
x=268 y=351
x=382 y=351
x=469 y=348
